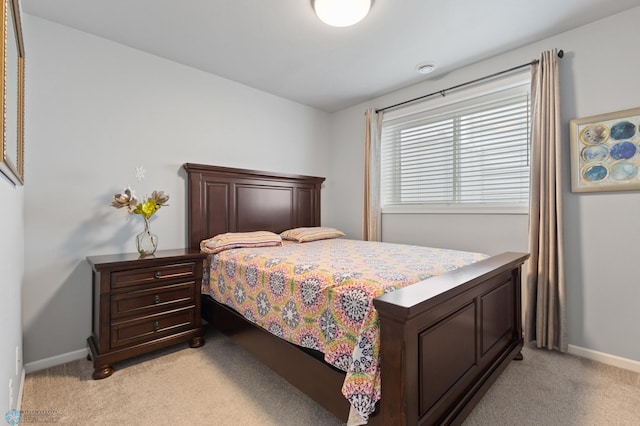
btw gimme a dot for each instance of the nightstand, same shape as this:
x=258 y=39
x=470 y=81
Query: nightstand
x=141 y=304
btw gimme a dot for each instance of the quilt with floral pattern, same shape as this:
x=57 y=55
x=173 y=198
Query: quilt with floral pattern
x=319 y=295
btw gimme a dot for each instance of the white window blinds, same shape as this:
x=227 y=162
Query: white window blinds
x=472 y=153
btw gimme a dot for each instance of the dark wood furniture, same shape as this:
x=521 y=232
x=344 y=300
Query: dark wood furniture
x=444 y=341
x=141 y=304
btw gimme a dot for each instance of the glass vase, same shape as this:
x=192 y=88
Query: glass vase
x=146 y=242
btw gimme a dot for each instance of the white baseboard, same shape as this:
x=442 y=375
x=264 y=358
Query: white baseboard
x=616 y=361
x=55 y=360
x=20 y=388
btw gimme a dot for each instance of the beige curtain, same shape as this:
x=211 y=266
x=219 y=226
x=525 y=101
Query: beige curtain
x=545 y=308
x=372 y=220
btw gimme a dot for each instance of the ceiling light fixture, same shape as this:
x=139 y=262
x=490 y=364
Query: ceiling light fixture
x=425 y=68
x=341 y=13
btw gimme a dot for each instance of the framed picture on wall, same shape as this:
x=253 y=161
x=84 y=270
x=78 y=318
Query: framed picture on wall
x=605 y=152
x=12 y=77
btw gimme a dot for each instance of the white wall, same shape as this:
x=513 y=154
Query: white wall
x=95 y=111
x=11 y=271
x=598 y=75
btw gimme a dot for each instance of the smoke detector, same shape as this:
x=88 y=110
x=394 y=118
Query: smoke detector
x=425 y=67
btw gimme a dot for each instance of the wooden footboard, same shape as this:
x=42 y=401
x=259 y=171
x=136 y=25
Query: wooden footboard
x=444 y=341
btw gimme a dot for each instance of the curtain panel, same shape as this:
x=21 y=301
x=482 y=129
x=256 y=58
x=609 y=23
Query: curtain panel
x=545 y=303
x=372 y=217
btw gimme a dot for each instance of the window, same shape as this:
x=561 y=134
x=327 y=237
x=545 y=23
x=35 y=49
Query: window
x=463 y=155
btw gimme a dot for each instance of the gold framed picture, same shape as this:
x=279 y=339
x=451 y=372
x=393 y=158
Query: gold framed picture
x=12 y=81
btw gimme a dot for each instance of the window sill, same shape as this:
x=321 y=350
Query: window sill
x=456 y=209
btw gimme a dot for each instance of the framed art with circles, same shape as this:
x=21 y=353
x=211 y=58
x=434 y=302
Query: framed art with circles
x=605 y=152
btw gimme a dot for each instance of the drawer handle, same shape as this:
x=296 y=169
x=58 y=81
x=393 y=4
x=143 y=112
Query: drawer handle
x=156 y=326
x=156 y=299
x=158 y=274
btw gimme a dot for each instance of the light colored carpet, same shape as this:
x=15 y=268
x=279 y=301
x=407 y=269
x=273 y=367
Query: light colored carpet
x=554 y=389
x=220 y=384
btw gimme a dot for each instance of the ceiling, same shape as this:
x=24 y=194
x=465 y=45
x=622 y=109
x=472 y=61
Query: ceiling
x=280 y=47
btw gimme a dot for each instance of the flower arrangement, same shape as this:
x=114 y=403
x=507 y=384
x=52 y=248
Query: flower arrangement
x=146 y=208
x=146 y=242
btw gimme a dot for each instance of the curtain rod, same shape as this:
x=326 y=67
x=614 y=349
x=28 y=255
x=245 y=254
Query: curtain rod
x=442 y=92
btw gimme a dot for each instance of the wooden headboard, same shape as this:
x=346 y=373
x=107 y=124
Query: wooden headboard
x=224 y=199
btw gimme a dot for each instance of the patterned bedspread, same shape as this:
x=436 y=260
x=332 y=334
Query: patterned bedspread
x=320 y=295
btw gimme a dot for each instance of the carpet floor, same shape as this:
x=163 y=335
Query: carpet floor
x=221 y=384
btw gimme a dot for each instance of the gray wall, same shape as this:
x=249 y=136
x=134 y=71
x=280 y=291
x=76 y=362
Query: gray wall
x=11 y=271
x=96 y=111
x=599 y=74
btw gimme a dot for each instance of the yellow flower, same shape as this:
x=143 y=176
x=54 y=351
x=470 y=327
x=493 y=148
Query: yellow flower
x=146 y=209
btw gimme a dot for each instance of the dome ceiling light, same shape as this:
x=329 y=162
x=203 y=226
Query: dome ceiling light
x=341 y=13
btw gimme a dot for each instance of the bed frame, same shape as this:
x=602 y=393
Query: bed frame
x=444 y=341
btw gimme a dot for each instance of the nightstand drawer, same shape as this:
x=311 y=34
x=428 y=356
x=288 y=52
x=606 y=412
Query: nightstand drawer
x=151 y=327
x=156 y=274
x=153 y=299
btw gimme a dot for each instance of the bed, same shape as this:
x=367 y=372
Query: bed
x=443 y=341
